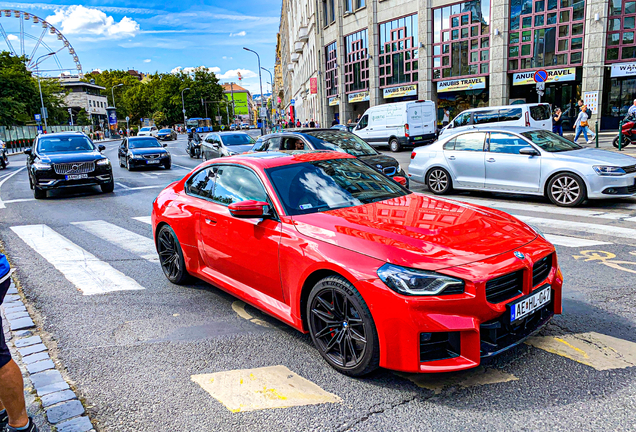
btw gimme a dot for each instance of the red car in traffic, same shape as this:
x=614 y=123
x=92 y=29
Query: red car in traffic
x=378 y=275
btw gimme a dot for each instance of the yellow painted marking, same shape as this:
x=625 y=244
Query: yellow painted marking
x=267 y=388
x=607 y=258
x=469 y=378
x=239 y=307
x=596 y=350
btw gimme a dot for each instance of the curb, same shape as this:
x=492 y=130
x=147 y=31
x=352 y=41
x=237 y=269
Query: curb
x=46 y=391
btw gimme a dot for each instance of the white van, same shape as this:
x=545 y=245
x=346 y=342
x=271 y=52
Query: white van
x=529 y=115
x=398 y=124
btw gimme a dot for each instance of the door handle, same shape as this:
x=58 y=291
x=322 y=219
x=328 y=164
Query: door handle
x=490 y=160
x=451 y=157
x=210 y=221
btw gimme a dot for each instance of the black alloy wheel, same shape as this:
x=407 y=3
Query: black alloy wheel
x=439 y=181
x=171 y=256
x=121 y=164
x=394 y=145
x=625 y=143
x=342 y=328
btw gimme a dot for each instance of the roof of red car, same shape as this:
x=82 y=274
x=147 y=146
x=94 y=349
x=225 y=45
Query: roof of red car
x=277 y=158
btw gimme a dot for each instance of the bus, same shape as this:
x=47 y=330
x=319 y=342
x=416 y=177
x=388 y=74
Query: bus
x=200 y=124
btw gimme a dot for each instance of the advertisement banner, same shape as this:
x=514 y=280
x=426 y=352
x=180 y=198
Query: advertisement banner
x=334 y=101
x=394 y=92
x=461 y=84
x=591 y=100
x=358 y=97
x=313 y=85
x=112 y=117
x=554 y=75
x=623 y=70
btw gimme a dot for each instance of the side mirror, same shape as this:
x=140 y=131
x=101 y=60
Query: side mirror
x=249 y=209
x=28 y=152
x=529 y=151
x=165 y=144
x=101 y=147
x=401 y=180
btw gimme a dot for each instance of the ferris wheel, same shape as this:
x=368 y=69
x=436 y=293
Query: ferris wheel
x=49 y=42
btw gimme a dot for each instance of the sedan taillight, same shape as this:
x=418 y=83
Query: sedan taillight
x=527 y=119
x=413 y=155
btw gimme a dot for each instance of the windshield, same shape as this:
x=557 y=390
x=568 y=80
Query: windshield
x=237 y=139
x=317 y=186
x=146 y=129
x=165 y=130
x=143 y=143
x=550 y=142
x=340 y=141
x=65 y=144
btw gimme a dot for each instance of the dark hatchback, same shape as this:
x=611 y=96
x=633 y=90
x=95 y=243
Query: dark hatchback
x=67 y=159
x=167 y=134
x=335 y=140
x=144 y=151
x=219 y=144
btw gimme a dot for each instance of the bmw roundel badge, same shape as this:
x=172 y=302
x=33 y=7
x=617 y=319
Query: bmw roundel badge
x=519 y=255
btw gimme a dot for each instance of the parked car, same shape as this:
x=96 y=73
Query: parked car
x=245 y=126
x=148 y=131
x=219 y=144
x=528 y=115
x=137 y=152
x=399 y=124
x=331 y=139
x=377 y=275
x=346 y=128
x=524 y=161
x=67 y=159
x=167 y=134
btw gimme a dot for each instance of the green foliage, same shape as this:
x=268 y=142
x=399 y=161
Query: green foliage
x=82 y=118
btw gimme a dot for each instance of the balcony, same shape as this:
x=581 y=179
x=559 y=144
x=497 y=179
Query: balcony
x=295 y=57
x=303 y=34
x=298 y=47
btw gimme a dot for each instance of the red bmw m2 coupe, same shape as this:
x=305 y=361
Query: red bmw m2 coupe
x=378 y=275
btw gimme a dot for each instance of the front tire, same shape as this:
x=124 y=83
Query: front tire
x=439 y=181
x=171 y=256
x=567 y=190
x=625 y=143
x=38 y=193
x=395 y=145
x=108 y=187
x=342 y=328
x=128 y=167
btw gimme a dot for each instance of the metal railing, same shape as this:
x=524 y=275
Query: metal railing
x=17 y=138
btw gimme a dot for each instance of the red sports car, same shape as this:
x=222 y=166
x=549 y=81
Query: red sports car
x=378 y=275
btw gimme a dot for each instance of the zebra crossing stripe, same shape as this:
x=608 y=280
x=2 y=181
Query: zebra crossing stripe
x=574 y=242
x=121 y=237
x=88 y=273
x=606 y=230
x=144 y=219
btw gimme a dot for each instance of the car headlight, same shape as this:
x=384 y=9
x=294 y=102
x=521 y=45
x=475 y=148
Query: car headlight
x=604 y=170
x=41 y=165
x=399 y=168
x=537 y=230
x=104 y=161
x=413 y=282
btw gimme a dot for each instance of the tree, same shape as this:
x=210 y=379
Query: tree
x=82 y=118
x=159 y=117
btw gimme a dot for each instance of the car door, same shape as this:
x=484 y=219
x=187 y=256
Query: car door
x=244 y=250
x=508 y=170
x=362 y=128
x=465 y=159
x=123 y=150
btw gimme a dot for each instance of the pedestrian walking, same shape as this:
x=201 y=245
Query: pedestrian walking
x=557 y=126
x=446 y=117
x=312 y=123
x=13 y=414
x=632 y=109
x=581 y=124
x=335 y=121
x=358 y=118
x=298 y=123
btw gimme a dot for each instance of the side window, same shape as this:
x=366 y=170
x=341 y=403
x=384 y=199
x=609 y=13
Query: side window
x=540 y=112
x=209 y=139
x=450 y=145
x=273 y=144
x=235 y=184
x=470 y=142
x=483 y=117
x=462 y=119
x=261 y=145
x=506 y=143
x=201 y=184
x=510 y=114
x=364 y=122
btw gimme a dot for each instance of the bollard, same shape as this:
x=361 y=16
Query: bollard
x=620 y=136
x=596 y=136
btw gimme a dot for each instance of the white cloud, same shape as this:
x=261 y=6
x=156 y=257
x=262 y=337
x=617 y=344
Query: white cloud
x=147 y=61
x=241 y=33
x=78 y=19
x=189 y=70
x=232 y=74
x=227 y=58
x=12 y=37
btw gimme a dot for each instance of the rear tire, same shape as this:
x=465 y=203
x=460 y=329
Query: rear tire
x=171 y=256
x=38 y=193
x=395 y=145
x=439 y=181
x=625 y=143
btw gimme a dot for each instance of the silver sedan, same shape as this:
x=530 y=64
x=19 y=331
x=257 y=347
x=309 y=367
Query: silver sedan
x=523 y=161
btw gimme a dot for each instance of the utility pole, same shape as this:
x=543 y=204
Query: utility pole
x=260 y=81
x=185 y=126
x=233 y=106
x=70 y=113
x=271 y=77
x=112 y=91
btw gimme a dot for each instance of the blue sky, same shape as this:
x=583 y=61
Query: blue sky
x=157 y=36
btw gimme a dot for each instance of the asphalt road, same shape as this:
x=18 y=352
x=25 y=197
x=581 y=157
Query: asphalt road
x=131 y=355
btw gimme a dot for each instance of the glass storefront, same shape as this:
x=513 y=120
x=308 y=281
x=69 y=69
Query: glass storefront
x=399 y=50
x=564 y=95
x=456 y=102
x=619 y=96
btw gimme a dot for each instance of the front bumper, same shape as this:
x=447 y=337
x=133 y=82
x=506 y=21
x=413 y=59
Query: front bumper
x=143 y=162
x=611 y=186
x=48 y=179
x=471 y=325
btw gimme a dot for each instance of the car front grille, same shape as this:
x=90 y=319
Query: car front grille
x=629 y=169
x=152 y=156
x=541 y=270
x=504 y=287
x=74 y=168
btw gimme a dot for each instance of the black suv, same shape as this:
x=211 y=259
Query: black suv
x=67 y=159
x=334 y=140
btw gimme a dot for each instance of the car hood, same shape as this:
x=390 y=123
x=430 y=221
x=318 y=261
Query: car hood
x=67 y=157
x=147 y=150
x=595 y=156
x=164 y=133
x=383 y=160
x=419 y=231
x=239 y=148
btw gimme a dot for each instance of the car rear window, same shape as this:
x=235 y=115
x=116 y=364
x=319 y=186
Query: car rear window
x=540 y=112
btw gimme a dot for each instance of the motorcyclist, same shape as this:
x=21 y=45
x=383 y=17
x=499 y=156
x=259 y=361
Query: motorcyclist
x=193 y=138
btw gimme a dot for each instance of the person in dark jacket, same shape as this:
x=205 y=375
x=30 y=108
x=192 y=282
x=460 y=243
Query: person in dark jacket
x=557 y=126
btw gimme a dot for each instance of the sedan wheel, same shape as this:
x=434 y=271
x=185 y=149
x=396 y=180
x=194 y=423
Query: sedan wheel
x=342 y=328
x=439 y=181
x=171 y=256
x=567 y=190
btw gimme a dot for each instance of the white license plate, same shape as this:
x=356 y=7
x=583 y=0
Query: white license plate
x=529 y=304
x=76 y=176
x=153 y=162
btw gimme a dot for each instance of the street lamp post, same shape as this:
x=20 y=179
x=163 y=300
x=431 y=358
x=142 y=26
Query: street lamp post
x=37 y=63
x=260 y=81
x=112 y=92
x=185 y=126
x=271 y=85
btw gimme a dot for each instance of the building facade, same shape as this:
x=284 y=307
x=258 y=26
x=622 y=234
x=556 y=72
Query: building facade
x=241 y=99
x=464 y=54
x=86 y=96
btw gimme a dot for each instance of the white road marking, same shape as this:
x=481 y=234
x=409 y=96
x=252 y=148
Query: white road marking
x=19 y=200
x=122 y=185
x=574 y=242
x=608 y=230
x=88 y=273
x=4 y=179
x=145 y=187
x=184 y=167
x=144 y=219
x=121 y=237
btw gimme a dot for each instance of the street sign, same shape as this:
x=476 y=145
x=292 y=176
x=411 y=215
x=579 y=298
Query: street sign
x=540 y=86
x=183 y=110
x=222 y=127
x=38 y=118
x=45 y=113
x=540 y=76
x=293 y=101
x=218 y=118
x=127 y=118
x=263 y=112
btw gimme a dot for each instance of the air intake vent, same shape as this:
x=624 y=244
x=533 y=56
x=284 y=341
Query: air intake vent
x=439 y=346
x=504 y=287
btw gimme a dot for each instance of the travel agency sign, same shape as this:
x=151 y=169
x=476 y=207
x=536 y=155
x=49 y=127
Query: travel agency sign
x=554 y=75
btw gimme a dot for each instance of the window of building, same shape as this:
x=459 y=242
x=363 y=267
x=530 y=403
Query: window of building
x=360 y=3
x=399 y=47
x=349 y=5
x=545 y=33
x=332 y=11
x=461 y=39
x=331 y=73
x=620 y=31
x=356 y=62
